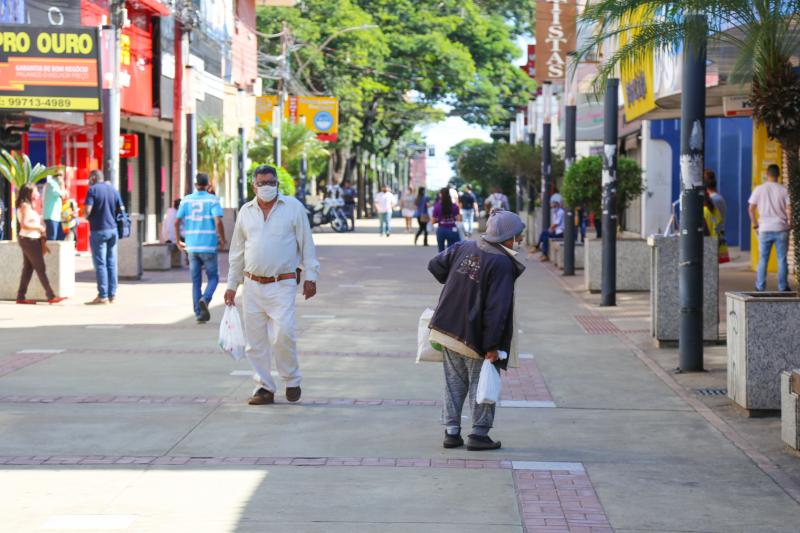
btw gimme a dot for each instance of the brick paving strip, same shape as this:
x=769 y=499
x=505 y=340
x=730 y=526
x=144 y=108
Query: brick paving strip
x=552 y=497
x=19 y=360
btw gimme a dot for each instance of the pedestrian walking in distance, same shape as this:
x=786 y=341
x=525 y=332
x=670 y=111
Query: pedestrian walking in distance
x=474 y=320
x=55 y=192
x=385 y=202
x=446 y=216
x=770 y=201
x=102 y=205
x=32 y=242
x=271 y=245
x=201 y=216
x=408 y=206
x=467 y=203
x=423 y=218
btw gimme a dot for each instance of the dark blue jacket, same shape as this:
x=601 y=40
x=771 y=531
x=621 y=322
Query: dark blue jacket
x=476 y=306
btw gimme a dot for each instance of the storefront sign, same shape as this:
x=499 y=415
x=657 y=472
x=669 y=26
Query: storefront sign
x=129 y=145
x=321 y=113
x=638 y=91
x=49 y=69
x=737 y=106
x=555 y=37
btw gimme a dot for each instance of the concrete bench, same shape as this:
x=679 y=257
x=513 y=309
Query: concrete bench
x=557 y=254
x=59 y=263
x=156 y=256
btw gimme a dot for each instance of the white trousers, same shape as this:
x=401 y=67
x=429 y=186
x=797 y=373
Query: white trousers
x=269 y=324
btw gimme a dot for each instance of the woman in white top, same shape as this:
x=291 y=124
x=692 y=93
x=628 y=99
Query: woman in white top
x=31 y=240
x=408 y=206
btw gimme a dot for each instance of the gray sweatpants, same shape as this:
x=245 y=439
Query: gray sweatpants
x=461 y=376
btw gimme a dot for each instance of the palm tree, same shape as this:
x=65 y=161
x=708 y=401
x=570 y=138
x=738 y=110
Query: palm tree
x=765 y=35
x=213 y=148
x=295 y=138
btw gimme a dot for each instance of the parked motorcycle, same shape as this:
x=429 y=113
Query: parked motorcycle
x=329 y=211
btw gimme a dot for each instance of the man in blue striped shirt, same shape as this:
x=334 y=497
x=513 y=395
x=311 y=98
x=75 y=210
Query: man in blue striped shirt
x=201 y=215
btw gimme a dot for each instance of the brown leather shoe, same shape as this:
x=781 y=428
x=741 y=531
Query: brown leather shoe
x=292 y=393
x=262 y=397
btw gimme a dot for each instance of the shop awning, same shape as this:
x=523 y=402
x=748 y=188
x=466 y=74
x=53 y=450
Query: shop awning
x=153 y=6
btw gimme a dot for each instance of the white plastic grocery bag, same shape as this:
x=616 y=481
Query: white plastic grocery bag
x=426 y=352
x=489 y=385
x=231 y=333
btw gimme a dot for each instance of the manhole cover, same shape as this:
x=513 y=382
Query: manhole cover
x=712 y=392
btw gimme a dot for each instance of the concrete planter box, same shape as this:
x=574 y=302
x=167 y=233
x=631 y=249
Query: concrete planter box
x=633 y=265
x=557 y=254
x=60 y=265
x=156 y=256
x=533 y=226
x=664 y=297
x=763 y=341
x=790 y=409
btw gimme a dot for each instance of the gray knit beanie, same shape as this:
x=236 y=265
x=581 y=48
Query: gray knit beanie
x=502 y=226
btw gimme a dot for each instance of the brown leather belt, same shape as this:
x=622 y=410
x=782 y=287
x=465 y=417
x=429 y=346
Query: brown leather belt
x=270 y=279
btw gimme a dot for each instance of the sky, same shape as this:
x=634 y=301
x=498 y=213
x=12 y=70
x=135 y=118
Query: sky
x=442 y=135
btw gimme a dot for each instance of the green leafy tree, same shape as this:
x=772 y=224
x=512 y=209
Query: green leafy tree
x=765 y=35
x=583 y=183
x=391 y=62
x=213 y=148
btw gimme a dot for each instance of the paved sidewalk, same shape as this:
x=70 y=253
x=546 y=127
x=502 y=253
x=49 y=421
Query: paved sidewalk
x=128 y=418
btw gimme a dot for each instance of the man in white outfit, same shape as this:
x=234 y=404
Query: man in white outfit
x=271 y=245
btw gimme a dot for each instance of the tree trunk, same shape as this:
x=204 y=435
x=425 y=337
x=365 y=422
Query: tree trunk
x=792 y=151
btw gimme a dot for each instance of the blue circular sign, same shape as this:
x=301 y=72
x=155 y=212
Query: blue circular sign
x=323 y=121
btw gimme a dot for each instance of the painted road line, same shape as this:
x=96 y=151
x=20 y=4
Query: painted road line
x=527 y=404
x=318 y=317
x=40 y=351
x=526 y=356
x=105 y=326
x=350 y=286
x=242 y=373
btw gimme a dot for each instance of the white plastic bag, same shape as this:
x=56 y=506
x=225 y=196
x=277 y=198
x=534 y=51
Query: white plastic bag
x=426 y=352
x=489 y=385
x=231 y=333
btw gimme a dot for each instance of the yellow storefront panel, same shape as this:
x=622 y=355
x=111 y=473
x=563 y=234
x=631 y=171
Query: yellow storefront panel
x=766 y=152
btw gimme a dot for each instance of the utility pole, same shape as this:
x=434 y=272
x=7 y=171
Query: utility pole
x=191 y=129
x=547 y=168
x=283 y=88
x=520 y=138
x=532 y=142
x=690 y=266
x=111 y=93
x=570 y=134
x=609 y=288
x=301 y=190
x=242 y=159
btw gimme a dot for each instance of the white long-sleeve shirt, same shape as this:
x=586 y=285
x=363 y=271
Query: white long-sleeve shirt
x=278 y=245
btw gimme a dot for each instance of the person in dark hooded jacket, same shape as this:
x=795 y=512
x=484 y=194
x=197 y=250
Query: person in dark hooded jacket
x=474 y=320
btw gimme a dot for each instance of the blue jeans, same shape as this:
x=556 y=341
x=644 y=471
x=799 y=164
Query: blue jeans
x=765 y=241
x=446 y=237
x=385 y=223
x=197 y=262
x=469 y=220
x=54 y=230
x=104 y=256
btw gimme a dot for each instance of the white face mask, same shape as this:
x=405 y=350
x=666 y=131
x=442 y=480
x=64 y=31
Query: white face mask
x=267 y=193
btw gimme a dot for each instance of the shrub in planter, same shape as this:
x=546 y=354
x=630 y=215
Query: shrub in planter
x=583 y=183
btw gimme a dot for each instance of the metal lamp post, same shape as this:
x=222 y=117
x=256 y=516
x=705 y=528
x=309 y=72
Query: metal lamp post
x=690 y=265
x=547 y=178
x=242 y=159
x=570 y=134
x=609 y=286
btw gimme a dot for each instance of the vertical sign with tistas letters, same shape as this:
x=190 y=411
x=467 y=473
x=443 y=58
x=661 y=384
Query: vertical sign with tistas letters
x=555 y=37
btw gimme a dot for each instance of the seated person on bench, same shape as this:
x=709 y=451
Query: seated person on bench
x=555 y=231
